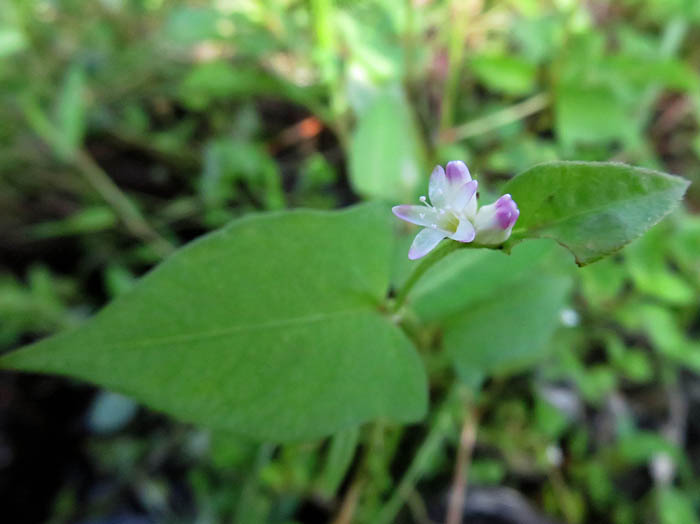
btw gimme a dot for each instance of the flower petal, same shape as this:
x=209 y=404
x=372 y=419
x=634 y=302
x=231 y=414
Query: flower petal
x=494 y=222
x=457 y=173
x=469 y=210
x=507 y=211
x=419 y=215
x=438 y=187
x=465 y=231
x=425 y=242
x=463 y=195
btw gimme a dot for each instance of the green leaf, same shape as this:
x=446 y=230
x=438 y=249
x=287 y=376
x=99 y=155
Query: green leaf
x=87 y=220
x=269 y=328
x=676 y=507
x=592 y=209
x=339 y=457
x=221 y=81
x=11 y=41
x=685 y=246
x=590 y=114
x=228 y=162
x=507 y=74
x=190 y=25
x=508 y=330
x=669 y=73
x=71 y=111
x=372 y=43
x=384 y=159
x=641 y=446
x=651 y=271
x=602 y=282
x=470 y=276
x=665 y=332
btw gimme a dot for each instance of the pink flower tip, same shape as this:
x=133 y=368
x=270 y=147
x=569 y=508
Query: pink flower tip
x=457 y=172
x=507 y=211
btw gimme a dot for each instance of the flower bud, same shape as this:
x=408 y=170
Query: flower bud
x=494 y=222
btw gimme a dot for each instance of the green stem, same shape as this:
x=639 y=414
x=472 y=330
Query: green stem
x=123 y=206
x=498 y=119
x=426 y=455
x=455 y=56
x=429 y=261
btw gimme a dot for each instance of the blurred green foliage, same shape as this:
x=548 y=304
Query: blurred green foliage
x=131 y=126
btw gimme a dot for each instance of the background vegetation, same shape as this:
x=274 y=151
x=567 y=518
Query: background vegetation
x=130 y=127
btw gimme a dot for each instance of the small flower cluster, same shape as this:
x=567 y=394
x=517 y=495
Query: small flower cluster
x=452 y=212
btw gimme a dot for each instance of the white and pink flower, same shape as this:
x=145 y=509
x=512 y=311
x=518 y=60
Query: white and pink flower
x=452 y=212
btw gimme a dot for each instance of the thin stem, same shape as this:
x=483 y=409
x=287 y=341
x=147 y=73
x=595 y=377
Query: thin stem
x=124 y=207
x=429 y=261
x=425 y=455
x=455 y=55
x=348 y=505
x=562 y=495
x=416 y=505
x=498 y=119
x=467 y=439
x=250 y=491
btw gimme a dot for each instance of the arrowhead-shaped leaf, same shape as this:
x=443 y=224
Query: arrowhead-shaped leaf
x=269 y=327
x=593 y=209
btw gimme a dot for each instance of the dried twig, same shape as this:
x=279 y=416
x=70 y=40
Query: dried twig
x=467 y=439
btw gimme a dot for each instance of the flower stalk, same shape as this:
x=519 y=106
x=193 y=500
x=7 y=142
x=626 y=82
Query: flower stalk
x=428 y=262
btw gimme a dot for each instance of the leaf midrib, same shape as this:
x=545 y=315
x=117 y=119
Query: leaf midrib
x=273 y=324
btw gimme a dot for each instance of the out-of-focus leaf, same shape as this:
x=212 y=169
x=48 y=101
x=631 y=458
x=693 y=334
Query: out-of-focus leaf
x=11 y=41
x=65 y=134
x=338 y=460
x=88 y=220
x=633 y=364
x=644 y=72
x=596 y=382
x=523 y=151
x=219 y=80
x=665 y=10
x=675 y=507
x=640 y=447
x=590 y=114
x=666 y=335
x=592 y=209
x=118 y=280
x=602 y=282
x=507 y=74
x=316 y=179
x=71 y=111
x=484 y=472
x=385 y=157
x=508 y=330
x=651 y=271
x=538 y=38
x=471 y=276
x=269 y=328
x=40 y=306
x=369 y=45
x=685 y=245
x=189 y=25
x=549 y=419
x=598 y=482
x=229 y=162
